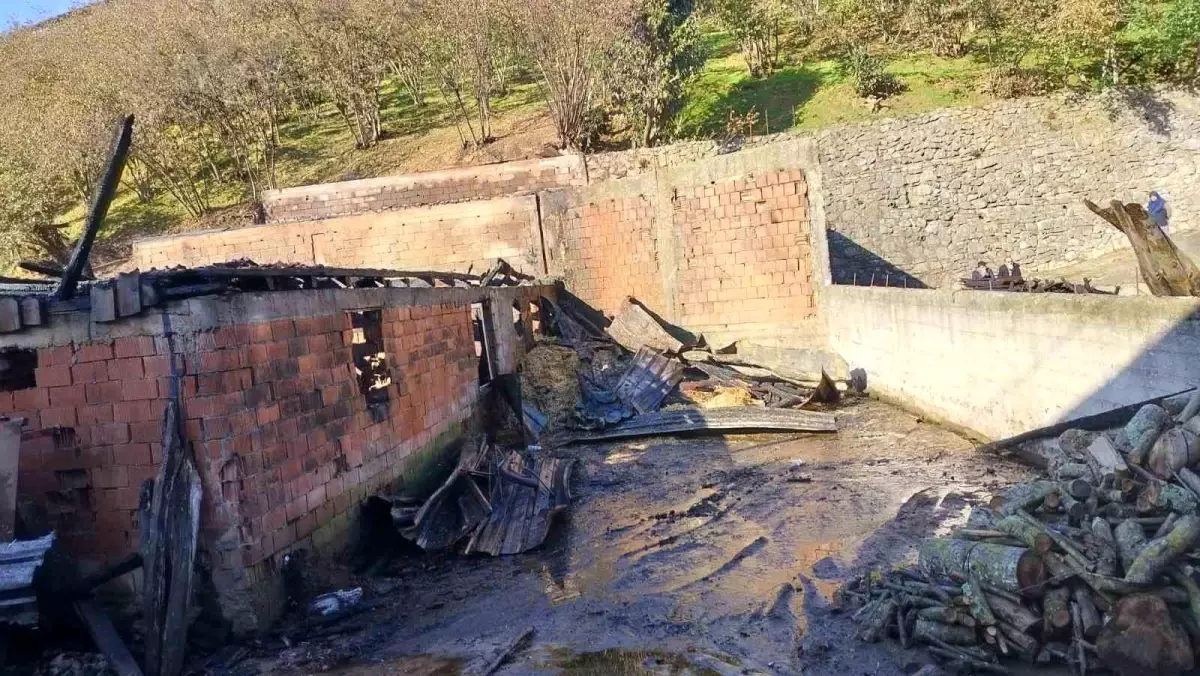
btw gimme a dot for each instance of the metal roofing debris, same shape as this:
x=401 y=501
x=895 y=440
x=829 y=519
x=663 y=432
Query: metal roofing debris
x=19 y=560
x=744 y=418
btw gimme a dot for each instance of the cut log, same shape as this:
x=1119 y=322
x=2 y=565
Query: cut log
x=1192 y=409
x=1131 y=538
x=1012 y=613
x=1025 y=496
x=1104 y=460
x=171 y=539
x=1033 y=537
x=1024 y=643
x=105 y=636
x=1166 y=270
x=1161 y=495
x=1175 y=449
x=1106 y=547
x=953 y=634
x=1142 y=639
x=1190 y=479
x=875 y=620
x=1166 y=526
x=1013 y=569
x=1088 y=615
x=980 y=609
x=1159 y=553
x=1143 y=430
x=1077 y=488
x=1056 y=610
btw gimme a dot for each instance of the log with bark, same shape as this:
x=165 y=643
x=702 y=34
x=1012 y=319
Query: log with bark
x=1166 y=270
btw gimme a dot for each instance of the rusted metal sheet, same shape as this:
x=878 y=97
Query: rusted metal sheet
x=745 y=419
x=648 y=380
x=525 y=497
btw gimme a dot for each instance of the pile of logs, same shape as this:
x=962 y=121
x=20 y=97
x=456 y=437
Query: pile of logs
x=1092 y=566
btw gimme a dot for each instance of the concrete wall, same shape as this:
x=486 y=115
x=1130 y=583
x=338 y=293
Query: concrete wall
x=1001 y=364
x=931 y=195
x=449 y=237
x=386 y=193
x=282 y=435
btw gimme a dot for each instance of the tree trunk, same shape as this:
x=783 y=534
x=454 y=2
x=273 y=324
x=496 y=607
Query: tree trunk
x=1166 y=269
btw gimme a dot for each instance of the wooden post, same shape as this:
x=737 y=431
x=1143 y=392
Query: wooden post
x=170 y=538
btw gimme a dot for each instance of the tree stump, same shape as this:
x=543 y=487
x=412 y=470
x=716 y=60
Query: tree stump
x=1166 y=269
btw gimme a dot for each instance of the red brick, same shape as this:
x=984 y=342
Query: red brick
x=316 y=497
x=156 y=367
x=91 y=372
x=296 y=508
x=145 y=432
x=111 y=434
x=94 y=352
x=103 y=393
x=283 y=538
x=53 y=376
x=6 y=402
x=71 y=395
x=134 y=346
x=55 y=356
x=133 y=390
x=110 y=477
x=133 y=454
x=268 y=414
x=274 y=519
x=305 y=525
x=127 y=369
x=132 y=411
x=283 y=329
x=59 y=417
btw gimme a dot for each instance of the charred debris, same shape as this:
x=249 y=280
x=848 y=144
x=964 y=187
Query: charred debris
x=1093 y=566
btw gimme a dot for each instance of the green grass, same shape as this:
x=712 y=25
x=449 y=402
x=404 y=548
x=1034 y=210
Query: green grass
x=815 y=94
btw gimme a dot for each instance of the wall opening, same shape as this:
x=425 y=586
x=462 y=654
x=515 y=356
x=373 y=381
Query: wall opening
x=370 y=360
x=17 y=369
x=478 y=328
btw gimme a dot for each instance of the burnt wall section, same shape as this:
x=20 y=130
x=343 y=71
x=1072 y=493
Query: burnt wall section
x=723 y=246
x=389 y=193
x=286 y=442
x=449 y=237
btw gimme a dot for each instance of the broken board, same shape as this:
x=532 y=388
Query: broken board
x=525 y=497
x=635 y=328
x=733 y=419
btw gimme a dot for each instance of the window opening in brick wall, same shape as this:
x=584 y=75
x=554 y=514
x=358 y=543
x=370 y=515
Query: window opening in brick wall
x=17 y=369
x=370 y=359
x=479 y=329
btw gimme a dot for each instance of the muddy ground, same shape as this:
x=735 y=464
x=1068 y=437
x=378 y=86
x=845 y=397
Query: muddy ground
x=702 y=555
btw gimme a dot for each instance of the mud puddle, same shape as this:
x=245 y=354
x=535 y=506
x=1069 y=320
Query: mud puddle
x=694 y=554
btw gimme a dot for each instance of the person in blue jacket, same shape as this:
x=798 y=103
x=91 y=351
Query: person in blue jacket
x=1157 y=208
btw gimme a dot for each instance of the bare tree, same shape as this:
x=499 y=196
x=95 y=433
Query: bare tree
x=569 y=41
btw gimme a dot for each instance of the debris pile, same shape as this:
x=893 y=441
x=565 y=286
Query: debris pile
x=494 y=502
x=1016 y=284
x=640 y=364
x=1092 y=566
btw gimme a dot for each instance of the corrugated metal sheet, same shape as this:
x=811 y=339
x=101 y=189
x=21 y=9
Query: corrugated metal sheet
x=19 y=560
x=649 y=379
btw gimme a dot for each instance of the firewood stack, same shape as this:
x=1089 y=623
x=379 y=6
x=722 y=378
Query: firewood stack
x=1092 y=566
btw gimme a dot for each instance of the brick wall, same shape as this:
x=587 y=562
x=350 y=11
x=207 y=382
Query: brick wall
x=609 y=253
x=436 y=187
x=746 y=253
x=283 y=437
x=445 y=237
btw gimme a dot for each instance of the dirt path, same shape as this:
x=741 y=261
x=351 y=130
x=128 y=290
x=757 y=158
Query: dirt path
x=682 y=556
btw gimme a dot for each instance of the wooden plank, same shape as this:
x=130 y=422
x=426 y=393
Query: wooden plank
x=104 y=303
x=31 y=311
x=10 y=314
x=745 y=418
x=169 y=559
x=505 y=346
x=129 y=294
x=105 y=636
x=10 y=456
